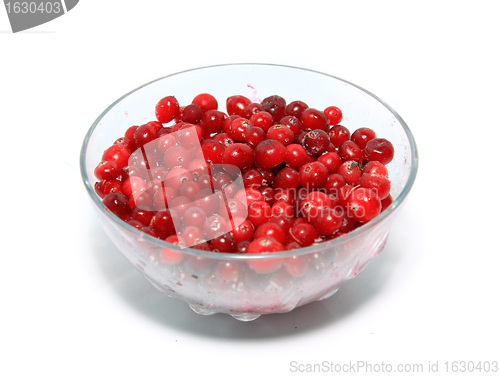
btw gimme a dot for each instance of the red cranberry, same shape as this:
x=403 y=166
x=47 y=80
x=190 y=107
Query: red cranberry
x=334 y=115
x=269 y=153
x=275 y=105
x=236 y=104
x=312 y=118
x=295 y=156
x=379 y=149
x=166 y=109
x=313 y=175
x=262 y=120
x=304 y=233
x=295 y=108
x=363 y=205
x=239 y=155
x=281 y=133
x=316 y=141
x=331 y=160
x=212 y=120
x=362 y=135
x=206 y=102
x=338 y=135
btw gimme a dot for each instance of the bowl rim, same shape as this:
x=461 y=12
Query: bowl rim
x=333 y=243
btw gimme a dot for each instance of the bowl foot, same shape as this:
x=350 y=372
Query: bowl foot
x=246 y=316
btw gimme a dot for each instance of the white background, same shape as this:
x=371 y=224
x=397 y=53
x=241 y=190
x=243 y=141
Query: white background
x=72 y=305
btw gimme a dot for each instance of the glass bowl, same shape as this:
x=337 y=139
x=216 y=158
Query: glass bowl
x=223 y=282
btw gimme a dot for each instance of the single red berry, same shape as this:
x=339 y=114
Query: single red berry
x=304 y=233
x=295 y=156
x=117 y=203
x=286 y=178
x=328 y=221
x=281 y=133
x=239 y=155
x=312 y=118
x=252 y=178
x=316 y=141
x=265 y=245
x=107 y=170
x=238 y=128
x=296 y=108
x=363 y=205
x=191 y=113
x=212 y=151
x=236 y=104
x=379 y=149
x=259 y=212
x=242 y=230
x=351 y=171
x=262 y=119
x=177 y=156
x=331 y=160
x=334 y=182
x=254 y=136
x=275 y=105
x=249 y=195
x=334 y=115
x=215 y=226
x=376 y=168
x=313 y=203
x=224 y=139
x=313 y=175
x=269 y=153
x=362 y=135
x=206 y=101
x=270 y=229
x=167 y=109
x=338 y=135
x=350 y=151
x=212 y=121
x=380 y=184
x=224 y=243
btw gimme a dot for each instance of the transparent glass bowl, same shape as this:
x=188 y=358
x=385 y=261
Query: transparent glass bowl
x=224 y=283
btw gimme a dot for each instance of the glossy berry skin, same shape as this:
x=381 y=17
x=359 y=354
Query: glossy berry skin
x=265 y=245
x=350 y=151
x=296 y=108
x=351 y=171
x=313 y=175
x=338 y=135
x=331 y=160
x=212 y=120
x=205 y=101
x=363 y=205
x=362 y=135
x=379 y=149
x=376 y=168
x=328 y=221
x=107 y=170
x=254 y=136
x=213 y=151
x=269 y=153
x=280 y=133
x=270 y=229
x=191 y=113
x=379 y=184
x=238 y=128
x=304 y=233
x=259 y=212
x=316 y=141
x=239 y=155
x=262 y=119
x=333 y=114
x=118 y=153
x=117 y=203
x=275 y=105
x=236 y=105
x=166 y=109
x=312 y=118
x=295 y=156
x=286 y=178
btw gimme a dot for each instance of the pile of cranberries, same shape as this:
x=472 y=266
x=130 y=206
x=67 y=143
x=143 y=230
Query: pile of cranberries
x=305 y=178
